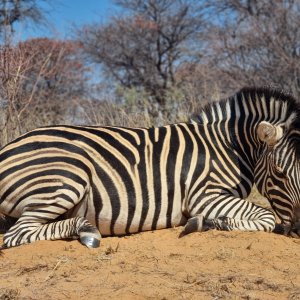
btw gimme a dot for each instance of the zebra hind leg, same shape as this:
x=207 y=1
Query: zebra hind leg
x=89 y=235
x=29 y=229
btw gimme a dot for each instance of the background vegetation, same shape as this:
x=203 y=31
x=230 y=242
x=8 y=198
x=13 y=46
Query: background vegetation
x=155 y=62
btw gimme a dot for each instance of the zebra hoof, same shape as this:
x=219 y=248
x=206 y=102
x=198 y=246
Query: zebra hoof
x=193 y=225
x=90 y=241
x=89 y=235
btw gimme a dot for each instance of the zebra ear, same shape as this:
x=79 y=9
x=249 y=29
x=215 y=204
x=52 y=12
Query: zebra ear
x=269 y=133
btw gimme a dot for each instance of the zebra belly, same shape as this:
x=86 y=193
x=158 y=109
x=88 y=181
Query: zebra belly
x=120 y=225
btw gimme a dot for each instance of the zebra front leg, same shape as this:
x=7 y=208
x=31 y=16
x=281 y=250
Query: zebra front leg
x=295 y=230
x=195 y=224
x=251 y=218
x=238 y=214
x=30 y=229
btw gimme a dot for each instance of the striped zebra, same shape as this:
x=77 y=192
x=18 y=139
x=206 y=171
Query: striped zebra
x=86 y=182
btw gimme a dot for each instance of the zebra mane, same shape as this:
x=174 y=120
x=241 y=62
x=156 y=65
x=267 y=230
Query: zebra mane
x=288 y=109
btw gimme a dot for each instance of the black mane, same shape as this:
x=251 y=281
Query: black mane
x=293 y=106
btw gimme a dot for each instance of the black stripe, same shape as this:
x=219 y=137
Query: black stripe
x=127 y=136
x=107 y=137
x=187 y=155
x=43 y=190
x=157 y=149
x=171 y=164
x=46 y=160
x=143 y=179
x=200 y=164
x=44 y=173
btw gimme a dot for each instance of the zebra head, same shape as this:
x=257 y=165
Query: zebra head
x=278 y=169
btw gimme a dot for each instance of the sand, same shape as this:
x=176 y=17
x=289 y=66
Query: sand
x=156 y=265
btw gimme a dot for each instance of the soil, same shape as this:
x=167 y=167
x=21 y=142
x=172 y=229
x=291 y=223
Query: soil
x=156 y=265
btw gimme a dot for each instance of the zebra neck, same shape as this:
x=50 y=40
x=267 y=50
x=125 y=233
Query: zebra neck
x=238 y=117
x=235 y=132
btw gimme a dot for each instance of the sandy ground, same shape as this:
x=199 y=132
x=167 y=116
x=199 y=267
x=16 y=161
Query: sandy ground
x=156 y=265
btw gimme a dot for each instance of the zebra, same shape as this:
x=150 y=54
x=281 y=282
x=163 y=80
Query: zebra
x=85 y=182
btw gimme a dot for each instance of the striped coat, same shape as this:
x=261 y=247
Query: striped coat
x=83 y=181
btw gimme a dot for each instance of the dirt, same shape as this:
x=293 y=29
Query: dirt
x=156 y=265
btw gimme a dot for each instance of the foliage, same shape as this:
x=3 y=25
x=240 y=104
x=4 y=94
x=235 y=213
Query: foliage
x=161 y=60
x=256 y=43
x=142 y=49
x=37 y=77
x=14 y=11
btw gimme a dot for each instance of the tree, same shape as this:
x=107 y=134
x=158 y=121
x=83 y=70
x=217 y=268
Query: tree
x=55 y=67
x=144 y=48
x=256 y=43
x=38 y=80
x=13 y=11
